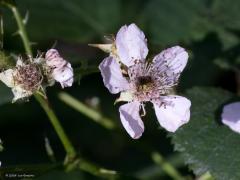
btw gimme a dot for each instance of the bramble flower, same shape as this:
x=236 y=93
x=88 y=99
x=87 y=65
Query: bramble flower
x=131 y=44
x=35 y=74
x=231 y=116
x=62 y=71
x=127 y=71
x=25 y=79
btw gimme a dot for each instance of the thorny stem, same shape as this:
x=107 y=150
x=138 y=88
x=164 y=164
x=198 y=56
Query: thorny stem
x=71 y=153
x=22 y=30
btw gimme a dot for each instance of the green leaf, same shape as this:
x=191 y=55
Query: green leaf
x=226 y=13
x=5 y=61
x=73 y=20
x=173 y=21
x=205 y=143
x=5 y=94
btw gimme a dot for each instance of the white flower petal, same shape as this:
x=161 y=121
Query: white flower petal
x=174 y=60
x=62 y=70
x=231 y=116
x=52 y=54
x=131 y=44
x=39 y=60
x=19 y=62
x=64 y=75
x=20 y=93
x=131 y=120
x=7 y=77
x=56 y=62
x=126 y=96
x=112 y=76
x=174 y=114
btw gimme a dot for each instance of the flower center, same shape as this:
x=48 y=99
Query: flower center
x=145 y=88
x=29 y=77
x=144 y=83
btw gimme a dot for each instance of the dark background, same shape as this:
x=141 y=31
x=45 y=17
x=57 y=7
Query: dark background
x=208 y=29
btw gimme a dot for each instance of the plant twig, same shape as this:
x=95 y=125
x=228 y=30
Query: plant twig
x=166 y=166
x=22 y=30
x=205 y=176
x=71 y=153
x=84 y=109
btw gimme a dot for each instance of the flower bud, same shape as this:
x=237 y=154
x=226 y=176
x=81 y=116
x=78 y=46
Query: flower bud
x=64 y=75
x=62 y=71
x=51 y=54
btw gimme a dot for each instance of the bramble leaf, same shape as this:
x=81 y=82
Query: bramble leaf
x=205 y=143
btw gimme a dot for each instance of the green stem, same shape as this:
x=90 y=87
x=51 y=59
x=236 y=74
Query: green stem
x=154 y=171
x=206 y=176
x=87 y=111
x=166 y=166
x=22 y=30
x=71 y=153
x=57 y=126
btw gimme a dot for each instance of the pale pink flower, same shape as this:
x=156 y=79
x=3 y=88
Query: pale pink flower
x=139 y=81
x=24 y=79
x=62 y=71
x=231 y=116
x=131 y=44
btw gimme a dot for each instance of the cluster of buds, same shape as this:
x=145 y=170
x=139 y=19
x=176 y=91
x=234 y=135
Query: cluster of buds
x=34 y=74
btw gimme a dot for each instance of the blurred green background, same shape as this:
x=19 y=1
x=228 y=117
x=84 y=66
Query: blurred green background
x=208 y=29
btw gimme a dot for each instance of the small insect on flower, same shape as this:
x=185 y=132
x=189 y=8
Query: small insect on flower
x=25 y=79
x=127 y=71
x=231 y=116
x=61 y=70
